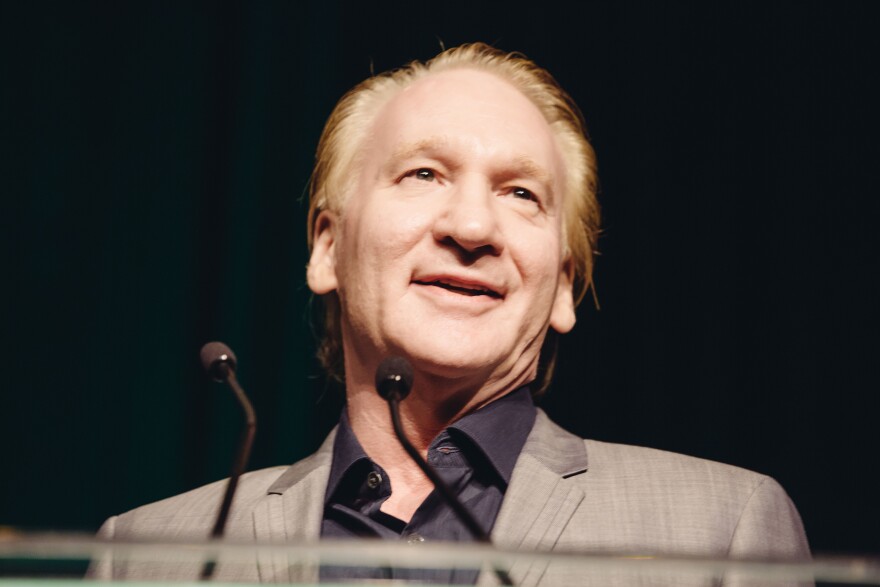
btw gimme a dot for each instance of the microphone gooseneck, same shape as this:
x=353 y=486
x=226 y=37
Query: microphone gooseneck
x=219 y=362
x=394 y=379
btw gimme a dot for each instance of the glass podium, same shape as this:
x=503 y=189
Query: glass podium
x=68 y=559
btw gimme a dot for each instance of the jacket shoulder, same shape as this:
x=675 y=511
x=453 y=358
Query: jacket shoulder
x=629 y=462
x=192 y=514
x=649 y=500
x=626 y=467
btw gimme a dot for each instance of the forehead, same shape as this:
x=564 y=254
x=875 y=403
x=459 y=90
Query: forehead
x=464 y=109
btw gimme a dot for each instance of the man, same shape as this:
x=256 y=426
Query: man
x=453 y=222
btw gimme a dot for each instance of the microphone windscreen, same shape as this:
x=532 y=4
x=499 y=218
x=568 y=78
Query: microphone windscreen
x=394 y=377
x=215 y=353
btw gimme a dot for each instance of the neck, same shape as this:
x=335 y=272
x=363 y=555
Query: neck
x=370 y=419
x=432 y=405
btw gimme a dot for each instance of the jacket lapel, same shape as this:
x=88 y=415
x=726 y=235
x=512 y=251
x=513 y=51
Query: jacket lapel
x=539 y=501
x=291 y=511
x=537 y=506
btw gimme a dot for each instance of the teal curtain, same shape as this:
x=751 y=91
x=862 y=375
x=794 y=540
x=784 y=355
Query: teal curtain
x=153 y=162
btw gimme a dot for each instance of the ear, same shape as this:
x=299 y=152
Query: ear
x=562 y=316
x=321 y=272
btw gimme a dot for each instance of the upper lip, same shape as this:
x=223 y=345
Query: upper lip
x=478 y=286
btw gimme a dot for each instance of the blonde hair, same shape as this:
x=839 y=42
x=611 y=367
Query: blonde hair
x=350 y=122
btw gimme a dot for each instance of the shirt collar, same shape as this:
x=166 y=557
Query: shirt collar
x=347 y=452
x=498 y=429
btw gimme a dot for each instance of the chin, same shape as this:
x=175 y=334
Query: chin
x=446 y=357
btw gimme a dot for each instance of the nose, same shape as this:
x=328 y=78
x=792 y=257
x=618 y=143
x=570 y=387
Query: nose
x=469 y=219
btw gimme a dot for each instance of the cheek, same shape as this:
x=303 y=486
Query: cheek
x=379 y=236
x=539 y=258
x=410 y=224
x=400 y=224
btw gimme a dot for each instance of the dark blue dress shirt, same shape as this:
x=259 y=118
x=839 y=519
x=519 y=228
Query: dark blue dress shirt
x=475 y=456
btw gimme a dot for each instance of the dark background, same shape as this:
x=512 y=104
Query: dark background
x=154 y=158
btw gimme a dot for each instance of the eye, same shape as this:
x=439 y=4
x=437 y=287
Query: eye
x=523 y=194
x=422 y=173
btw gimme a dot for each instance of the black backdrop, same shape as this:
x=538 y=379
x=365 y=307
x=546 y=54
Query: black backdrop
x=154 y=156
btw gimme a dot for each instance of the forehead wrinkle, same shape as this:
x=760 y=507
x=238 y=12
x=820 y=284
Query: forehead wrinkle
x=522 y=165
x=528 y=167
x=414 y=149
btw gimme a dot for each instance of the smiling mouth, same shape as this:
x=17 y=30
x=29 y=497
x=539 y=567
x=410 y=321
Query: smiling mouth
x=465 y=290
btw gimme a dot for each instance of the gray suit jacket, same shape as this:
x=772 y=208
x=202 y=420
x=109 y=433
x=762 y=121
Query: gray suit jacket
x=565 y=494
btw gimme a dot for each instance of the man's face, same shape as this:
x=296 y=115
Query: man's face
x=449 y=249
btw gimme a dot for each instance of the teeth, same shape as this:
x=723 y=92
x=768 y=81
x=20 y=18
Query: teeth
x=446 y=283
x=467 y=290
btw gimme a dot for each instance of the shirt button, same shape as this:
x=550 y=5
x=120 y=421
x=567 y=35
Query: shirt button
x=374 y=479
x=414 y=538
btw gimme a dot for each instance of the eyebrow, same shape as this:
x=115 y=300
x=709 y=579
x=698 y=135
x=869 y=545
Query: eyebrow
x=527 y=167
x=521 y=166
x=410 y=150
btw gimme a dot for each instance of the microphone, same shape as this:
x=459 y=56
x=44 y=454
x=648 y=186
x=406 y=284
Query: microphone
x=219 y=362
x=394 y=379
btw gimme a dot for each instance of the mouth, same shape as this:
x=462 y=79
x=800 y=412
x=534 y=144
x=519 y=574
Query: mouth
x=461 y=288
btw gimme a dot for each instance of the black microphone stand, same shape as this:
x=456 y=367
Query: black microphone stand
x=226 y=373
x=451 y=499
